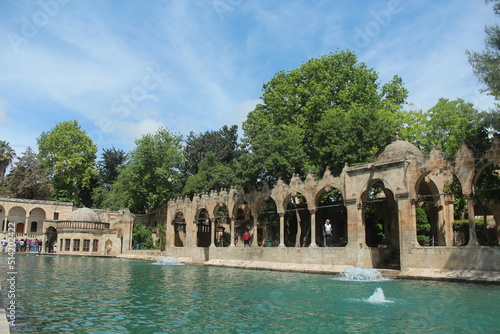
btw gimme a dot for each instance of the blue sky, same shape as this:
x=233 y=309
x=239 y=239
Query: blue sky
x=125 y=68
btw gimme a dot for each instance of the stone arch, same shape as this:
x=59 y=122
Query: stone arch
x=297 y=221
x=51 y=239
x=487 y=203
x=36 y=216
x=2 y=218
x=108 y=246
x=242 y=214
x=204 y=226
x=433 y=221
x=222 y=225
x=17 y=214
x=381 y=222
x=329 y=203
x=179 y=225
x=269 y=222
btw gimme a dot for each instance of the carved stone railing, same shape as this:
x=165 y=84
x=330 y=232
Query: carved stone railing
x=74 y=225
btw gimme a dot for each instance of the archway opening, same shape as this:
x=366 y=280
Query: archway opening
x=382 y=225
x=204 y=228
x=427 y=211
x=222 y=226
x=180 y=230
x=487 y=206
x=51 y=237
x=269 y=219
x=297 y=222
x=330 y=205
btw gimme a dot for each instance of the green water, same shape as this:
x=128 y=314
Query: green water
x=57 y=294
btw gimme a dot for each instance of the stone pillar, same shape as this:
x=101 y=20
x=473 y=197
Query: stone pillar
x=26 y=220
x=355 y=228
x=313 y=229
x=472 y=223
x=282 y=230
x=212 y=233
x=255 y=240
x=232 y=233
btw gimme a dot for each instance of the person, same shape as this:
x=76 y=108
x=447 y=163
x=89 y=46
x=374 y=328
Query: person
x=246 y=239
x=235 y=239
x=4 y=244
x=328 y=233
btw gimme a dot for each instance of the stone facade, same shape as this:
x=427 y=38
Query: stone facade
x=398 y=180
x=65 y=230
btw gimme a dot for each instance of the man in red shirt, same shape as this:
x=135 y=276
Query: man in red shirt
x=246 y=239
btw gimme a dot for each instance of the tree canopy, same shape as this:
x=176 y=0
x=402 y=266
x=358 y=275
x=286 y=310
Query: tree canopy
x=329 y=111
x=486 y=64
x=7 y=155
x=151 y=175
x=68 y=155
x=27 y=179
x=446 y=125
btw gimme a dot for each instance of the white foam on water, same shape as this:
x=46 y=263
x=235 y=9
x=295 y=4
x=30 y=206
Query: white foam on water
x=168 y=261
x=361 y=274
x=378 y=297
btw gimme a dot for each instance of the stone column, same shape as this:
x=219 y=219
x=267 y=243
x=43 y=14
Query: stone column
x=212 y=233
x=282 y=230
x=232 y=233
x=255 y=240
x=472 y=223
x=313 y=229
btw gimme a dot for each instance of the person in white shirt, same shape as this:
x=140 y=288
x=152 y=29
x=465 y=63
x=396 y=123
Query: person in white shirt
x=328 y=233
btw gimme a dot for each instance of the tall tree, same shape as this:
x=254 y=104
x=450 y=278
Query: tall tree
x=7 y=155
x=151 y=175
x=27 y=179
x=329 y=111
x=109 y=164
x=224 y=143
x=68 y=155
x=486 y=64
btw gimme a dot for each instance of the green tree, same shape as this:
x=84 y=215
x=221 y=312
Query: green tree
x=486 y=64
x=142 y=235
x=109 y=165
x=423 y=227
x=212 y=175
x=446 y=125
x=151 y=175
x=7 y=155
x=68 y=155
x=27 y=179
x=329 y=111
x=224 y=143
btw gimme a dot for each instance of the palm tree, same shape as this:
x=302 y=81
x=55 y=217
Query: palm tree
x=7 y=154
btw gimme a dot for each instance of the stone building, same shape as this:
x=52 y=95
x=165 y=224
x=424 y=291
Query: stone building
x=65 y=230
x=372 y=207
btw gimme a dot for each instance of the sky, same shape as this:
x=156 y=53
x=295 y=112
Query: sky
x=124 y=68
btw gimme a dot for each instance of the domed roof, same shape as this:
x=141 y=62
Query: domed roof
x=399 y=149
x=84 y=215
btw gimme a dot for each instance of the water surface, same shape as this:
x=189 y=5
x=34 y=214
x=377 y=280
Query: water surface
x=58 y=294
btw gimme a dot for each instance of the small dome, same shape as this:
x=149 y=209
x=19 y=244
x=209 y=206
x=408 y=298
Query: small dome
x=399 y=149
x=84 y=215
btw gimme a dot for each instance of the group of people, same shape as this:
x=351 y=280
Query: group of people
x=25 y=245
x=246 y=239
